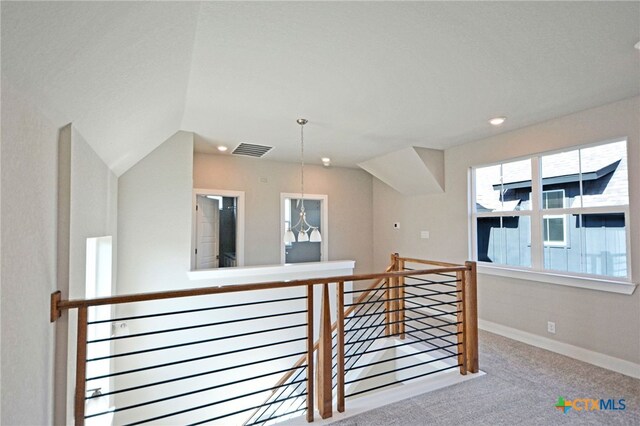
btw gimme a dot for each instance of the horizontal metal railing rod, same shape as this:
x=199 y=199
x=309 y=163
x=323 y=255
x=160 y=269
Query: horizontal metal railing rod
x=440 y=327
x=440 y=302
x=367 y=307
x=421 y=306
x=413 y=342
x=434 y=316
x=395 y=382
x=449 y=293
x=395 y=370
x=191 y=327
x=352 y=330
x=392 y=322
x=398 y=357
x=237 y=288
x=419 y=286
x=430 y=297
x=193 y=392
x=397 y=286
x=191 y=311
x=385 y=300
x=435 y=336
x=447 y=283
x=437 y=317
x=422 y=329
x=426 y=262
x=203 y=373
x=199 y=407
x=281 y=392
x=435 y=273
x=262 y=421
x=199 y=358
x=197 y=342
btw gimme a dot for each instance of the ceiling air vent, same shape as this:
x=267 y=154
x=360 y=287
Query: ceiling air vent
x=251 y=150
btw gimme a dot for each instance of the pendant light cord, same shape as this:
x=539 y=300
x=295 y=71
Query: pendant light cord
x=302 y=166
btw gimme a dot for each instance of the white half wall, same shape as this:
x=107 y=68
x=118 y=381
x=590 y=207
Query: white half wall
x=154 y=219
x=597 y=321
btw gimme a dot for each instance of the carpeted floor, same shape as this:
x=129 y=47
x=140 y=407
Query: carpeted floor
x=521 y=387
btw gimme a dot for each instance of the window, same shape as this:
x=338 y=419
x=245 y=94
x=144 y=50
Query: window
x=317 y=214
x=562 y=212
x=554 y=232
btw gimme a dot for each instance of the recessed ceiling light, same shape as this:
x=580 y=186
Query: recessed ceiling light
x=638 y=45
x=326 y=161
x=222 y=148
x=497 y=121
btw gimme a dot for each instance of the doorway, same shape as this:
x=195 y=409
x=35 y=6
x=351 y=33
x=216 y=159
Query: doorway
x=316 y=208
x=217 y=239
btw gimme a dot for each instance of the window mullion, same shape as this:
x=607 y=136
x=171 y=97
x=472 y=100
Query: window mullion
x=537 y=258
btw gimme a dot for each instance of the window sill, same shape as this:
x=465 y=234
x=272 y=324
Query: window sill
x=599 y=284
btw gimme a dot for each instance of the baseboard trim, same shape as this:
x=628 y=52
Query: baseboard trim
x=618 y=365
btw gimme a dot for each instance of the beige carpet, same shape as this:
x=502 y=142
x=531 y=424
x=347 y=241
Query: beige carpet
x=521 y=387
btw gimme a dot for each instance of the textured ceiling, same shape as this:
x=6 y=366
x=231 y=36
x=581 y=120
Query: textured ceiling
x=372 y=78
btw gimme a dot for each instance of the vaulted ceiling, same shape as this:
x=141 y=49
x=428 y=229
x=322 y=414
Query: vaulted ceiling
x=372 y=78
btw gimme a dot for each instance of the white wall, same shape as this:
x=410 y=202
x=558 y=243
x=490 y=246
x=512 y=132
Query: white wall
x=29 y=150
x=87 y=208
x=154 y=219
x=350 y=200
x=602 y=322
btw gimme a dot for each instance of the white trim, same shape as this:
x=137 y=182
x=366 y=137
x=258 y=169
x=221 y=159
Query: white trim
x=587 y=282
x=239 y=221
x=618 y=365
x=324 y=221
x=381 y=398
x=268 y=270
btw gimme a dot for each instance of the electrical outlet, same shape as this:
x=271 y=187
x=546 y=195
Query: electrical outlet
x=424 y=235
x=551 y=327
x=396 y=225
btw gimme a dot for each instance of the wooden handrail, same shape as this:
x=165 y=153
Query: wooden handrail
x=427 y=262
x=236 y=288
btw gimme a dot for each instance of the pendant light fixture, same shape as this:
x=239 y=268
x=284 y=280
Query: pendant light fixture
x=302 y=227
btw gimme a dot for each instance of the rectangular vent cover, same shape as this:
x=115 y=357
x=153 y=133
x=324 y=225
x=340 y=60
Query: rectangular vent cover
x=251 y=150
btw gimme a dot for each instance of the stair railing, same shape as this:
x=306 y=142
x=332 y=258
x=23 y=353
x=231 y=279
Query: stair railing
x=156 y=384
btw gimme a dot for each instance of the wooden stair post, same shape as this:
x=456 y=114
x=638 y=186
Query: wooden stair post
x=461 y=320
x=471 y=317
x=400 y=294
x=340 y=344
x=324 y=372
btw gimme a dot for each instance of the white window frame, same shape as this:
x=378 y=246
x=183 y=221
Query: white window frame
x=555 y=243
x=536 y=272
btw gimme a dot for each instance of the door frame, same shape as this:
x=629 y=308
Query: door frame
x=239 y=221
x=324 y=221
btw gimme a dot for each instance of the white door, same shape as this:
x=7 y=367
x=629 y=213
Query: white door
x=207 y=232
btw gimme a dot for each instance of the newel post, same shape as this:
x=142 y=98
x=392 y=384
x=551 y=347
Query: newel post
x=324 y=372
x=471 y=317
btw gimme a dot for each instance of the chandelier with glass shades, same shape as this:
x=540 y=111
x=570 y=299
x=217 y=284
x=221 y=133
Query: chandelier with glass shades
x=302 y=227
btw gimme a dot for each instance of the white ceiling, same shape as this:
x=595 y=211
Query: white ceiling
x=372 y=78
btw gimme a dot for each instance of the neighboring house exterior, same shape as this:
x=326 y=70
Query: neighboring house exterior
x=592 y=243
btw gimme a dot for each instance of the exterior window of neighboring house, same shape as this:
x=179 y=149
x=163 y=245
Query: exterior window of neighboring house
x=554 y=232
x=561 y=211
